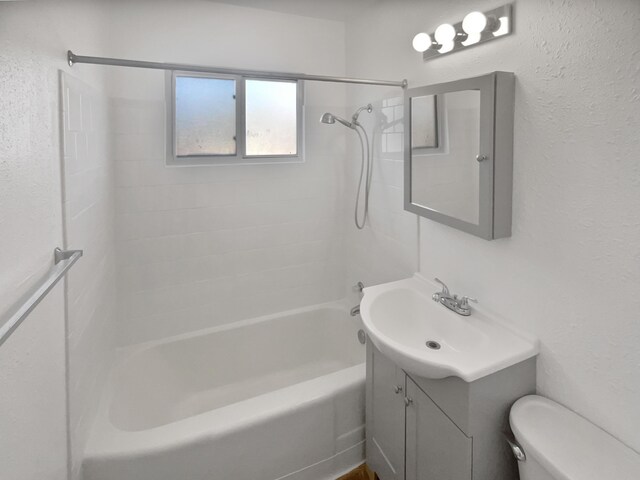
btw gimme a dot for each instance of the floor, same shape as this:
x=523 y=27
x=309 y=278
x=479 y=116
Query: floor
x=360 y=473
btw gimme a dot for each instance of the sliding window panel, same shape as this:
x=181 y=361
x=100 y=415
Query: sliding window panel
x=205 y=116
x=272 y=118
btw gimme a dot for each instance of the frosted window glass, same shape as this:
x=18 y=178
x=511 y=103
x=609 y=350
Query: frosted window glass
x=205 y=116
x=271 y=115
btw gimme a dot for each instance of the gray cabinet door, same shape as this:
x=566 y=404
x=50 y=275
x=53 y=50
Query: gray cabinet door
x=385 y=416
x=436 y=448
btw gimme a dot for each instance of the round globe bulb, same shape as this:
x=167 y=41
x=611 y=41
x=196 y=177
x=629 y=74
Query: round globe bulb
x=471 y=39
x=421 y=42
x=445 y=33
x=474 y=22
x=447 y=47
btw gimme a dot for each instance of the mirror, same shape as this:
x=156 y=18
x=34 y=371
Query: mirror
x=444 y=137
x=450 y=153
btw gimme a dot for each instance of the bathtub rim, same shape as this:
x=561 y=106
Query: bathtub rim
x=123 y=352
x=108 y=441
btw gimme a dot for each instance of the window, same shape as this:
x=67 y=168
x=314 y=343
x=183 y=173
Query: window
x=220 y=119
x=271 y=117
x=205 y=118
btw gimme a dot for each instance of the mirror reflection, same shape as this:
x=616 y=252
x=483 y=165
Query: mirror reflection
x=445 y=140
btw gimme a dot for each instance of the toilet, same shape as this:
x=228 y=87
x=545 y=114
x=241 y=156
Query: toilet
x=554 y=443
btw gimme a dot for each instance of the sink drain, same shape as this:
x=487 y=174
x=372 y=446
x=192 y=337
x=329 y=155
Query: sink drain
x=433 y=345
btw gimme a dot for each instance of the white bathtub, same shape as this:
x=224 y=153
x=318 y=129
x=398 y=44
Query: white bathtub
x=278 y=397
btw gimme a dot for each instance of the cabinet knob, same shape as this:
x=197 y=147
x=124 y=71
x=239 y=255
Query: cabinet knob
x=481 y=158
x=397 y=388
x=408 y=401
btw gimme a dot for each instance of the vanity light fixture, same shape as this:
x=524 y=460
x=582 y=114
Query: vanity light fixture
x=474 y=29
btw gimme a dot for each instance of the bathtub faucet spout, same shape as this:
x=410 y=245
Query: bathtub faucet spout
x=355 y=311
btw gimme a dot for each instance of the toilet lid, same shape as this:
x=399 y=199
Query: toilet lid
x=567 y=445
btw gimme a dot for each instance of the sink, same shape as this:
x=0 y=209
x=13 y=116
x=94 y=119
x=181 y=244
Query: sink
x=425 y=338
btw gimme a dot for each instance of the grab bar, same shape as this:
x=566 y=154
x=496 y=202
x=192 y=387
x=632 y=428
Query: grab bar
x=63 y=261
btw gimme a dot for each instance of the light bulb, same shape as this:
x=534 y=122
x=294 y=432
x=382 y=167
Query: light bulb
x=503 y=27
x=471 y=39
x=445 y=33
x=474 y=22
x=422 y=42
x=446 y=47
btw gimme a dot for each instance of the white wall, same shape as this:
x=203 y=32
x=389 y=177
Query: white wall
x=202 y=246
x=570 y=272
x=89 y=222
x=34 y=37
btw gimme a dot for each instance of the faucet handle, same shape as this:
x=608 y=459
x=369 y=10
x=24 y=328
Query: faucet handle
x=445 y=289
x=464 y=301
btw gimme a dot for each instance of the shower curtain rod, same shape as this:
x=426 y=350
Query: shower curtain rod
x=73 y=59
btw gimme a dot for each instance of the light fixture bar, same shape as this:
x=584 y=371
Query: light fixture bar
x=499 y=24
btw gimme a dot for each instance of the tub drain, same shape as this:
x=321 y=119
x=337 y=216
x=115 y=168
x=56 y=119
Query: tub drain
x=433 y=345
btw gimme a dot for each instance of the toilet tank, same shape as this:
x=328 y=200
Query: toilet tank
x=561 y=445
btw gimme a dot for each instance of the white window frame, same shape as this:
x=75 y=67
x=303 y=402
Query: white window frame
x=240 y=157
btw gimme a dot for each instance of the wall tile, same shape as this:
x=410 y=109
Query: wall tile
x=202 y=246
x=89 y=213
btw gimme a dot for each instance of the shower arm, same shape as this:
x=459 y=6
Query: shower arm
x=354 y=117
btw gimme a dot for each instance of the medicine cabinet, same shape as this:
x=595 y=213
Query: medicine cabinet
x=459 y=153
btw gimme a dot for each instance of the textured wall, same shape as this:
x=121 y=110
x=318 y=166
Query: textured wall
x=571 y=271
x=89 y=222
x=33 y=39
x=202 y=246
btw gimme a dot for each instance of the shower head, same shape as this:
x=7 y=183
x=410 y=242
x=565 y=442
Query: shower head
x=330 y=119
x=327 y=118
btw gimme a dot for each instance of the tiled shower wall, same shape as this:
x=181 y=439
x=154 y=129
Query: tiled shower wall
x=89 y=220
x=204 y=246
x=387 y=248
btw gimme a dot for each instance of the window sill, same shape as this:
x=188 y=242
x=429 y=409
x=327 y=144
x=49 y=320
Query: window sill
x=231 y=161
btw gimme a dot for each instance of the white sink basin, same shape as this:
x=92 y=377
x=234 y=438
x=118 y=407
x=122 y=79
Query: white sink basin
x=400 y=318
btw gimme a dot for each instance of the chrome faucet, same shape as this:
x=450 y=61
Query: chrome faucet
x=358 y=287
x=460 y=305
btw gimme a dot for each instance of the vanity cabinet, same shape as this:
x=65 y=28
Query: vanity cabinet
x=435 y=447
x=386 y=384
x=446 y=429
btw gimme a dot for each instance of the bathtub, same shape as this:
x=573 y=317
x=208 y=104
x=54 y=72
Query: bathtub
x=276 y=397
